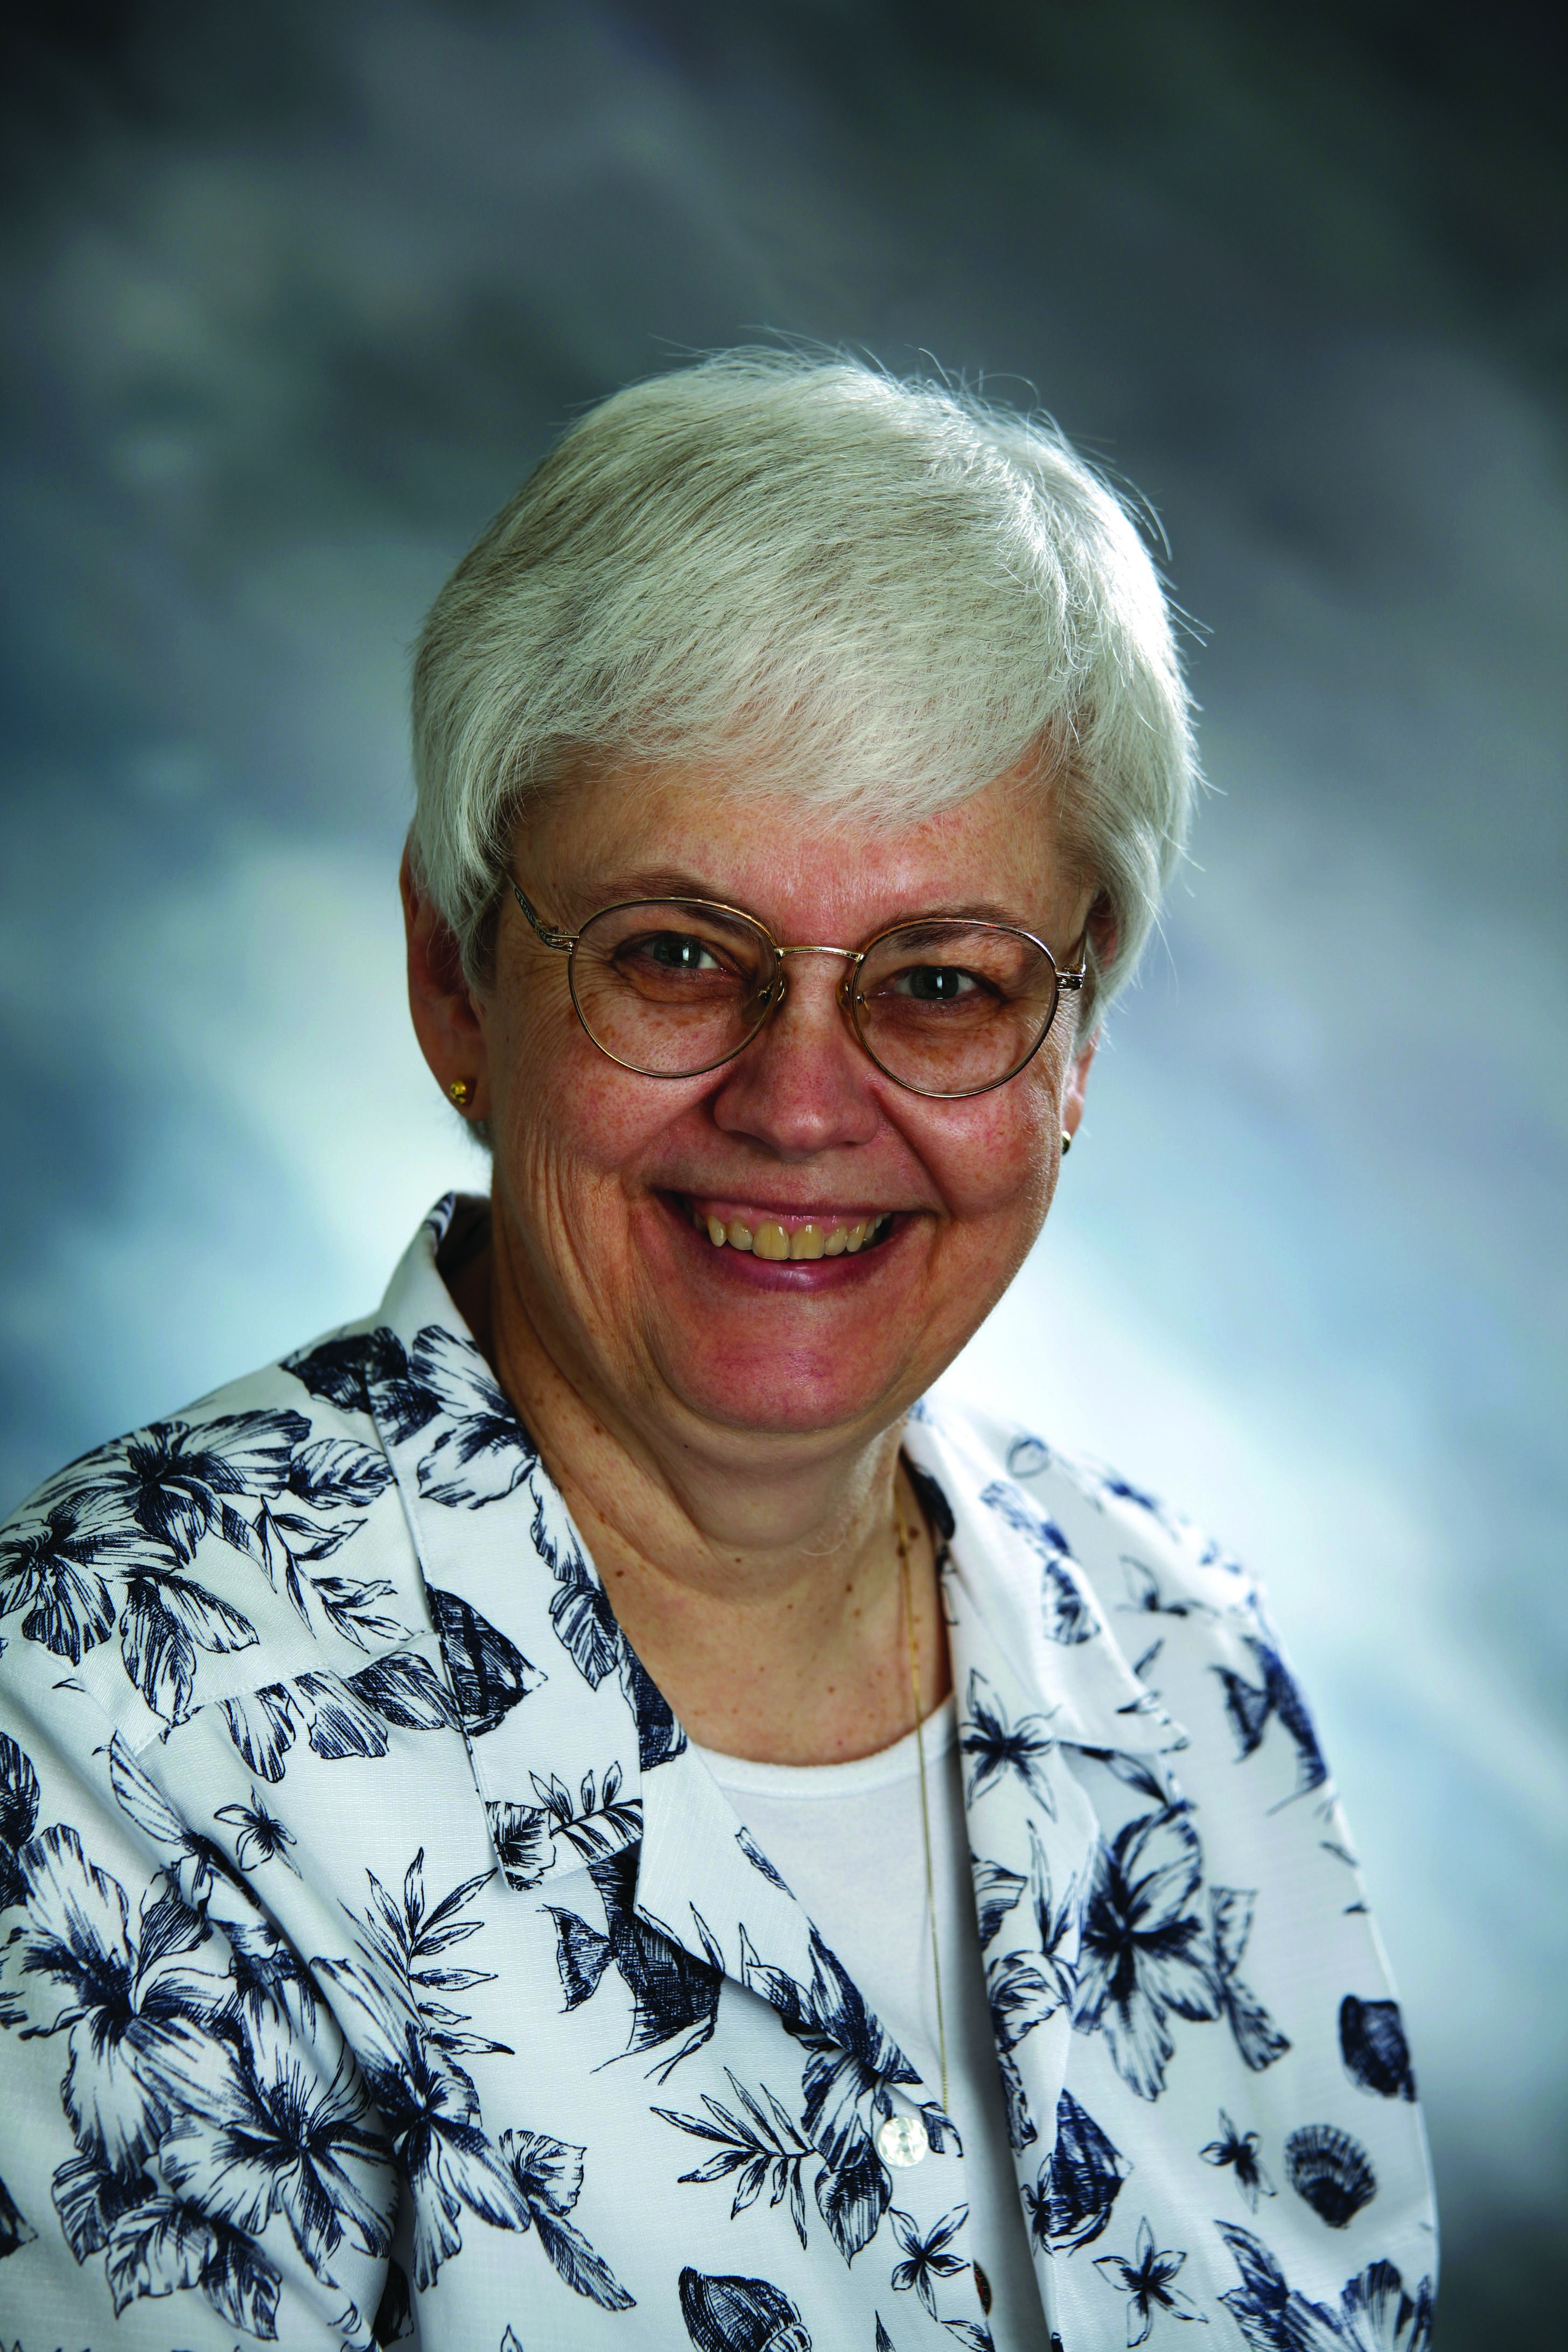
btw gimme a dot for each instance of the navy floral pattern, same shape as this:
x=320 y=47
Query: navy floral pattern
x=1145 y=1954
x=1373 y=2312
x=377 y=1959
x=1149 y=2283
x=1238 y=2149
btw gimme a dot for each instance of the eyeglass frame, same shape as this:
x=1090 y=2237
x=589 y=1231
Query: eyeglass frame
x=565 y=943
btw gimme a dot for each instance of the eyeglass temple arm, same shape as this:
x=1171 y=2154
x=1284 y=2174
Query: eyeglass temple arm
x=1074 y=981
x=564 y=940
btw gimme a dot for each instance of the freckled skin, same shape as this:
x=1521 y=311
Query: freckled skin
x=728 y=1431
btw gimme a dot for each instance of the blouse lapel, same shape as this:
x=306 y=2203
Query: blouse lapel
x=557 y=1715
x=1037 y=1676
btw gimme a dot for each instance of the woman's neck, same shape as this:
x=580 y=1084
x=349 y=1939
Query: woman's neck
x=758 y=1582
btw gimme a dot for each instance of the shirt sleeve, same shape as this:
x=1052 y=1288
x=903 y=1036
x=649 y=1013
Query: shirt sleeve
x=189 y=2148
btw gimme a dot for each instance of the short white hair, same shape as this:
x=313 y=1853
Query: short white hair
x=873 y=594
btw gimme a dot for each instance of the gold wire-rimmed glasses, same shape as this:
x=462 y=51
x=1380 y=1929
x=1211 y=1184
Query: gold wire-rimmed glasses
x=944 y=1005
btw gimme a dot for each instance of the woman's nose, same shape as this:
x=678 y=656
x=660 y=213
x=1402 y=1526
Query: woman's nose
x=802 y=1084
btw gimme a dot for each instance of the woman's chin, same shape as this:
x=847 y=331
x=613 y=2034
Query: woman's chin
x=798 y=1395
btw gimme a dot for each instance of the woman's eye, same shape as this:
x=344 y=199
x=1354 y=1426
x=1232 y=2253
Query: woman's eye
x=935 y=983
x=678 y=951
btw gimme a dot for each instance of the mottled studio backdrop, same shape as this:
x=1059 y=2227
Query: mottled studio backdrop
x=294 y=295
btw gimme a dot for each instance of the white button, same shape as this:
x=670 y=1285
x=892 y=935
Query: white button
x=902 y=2139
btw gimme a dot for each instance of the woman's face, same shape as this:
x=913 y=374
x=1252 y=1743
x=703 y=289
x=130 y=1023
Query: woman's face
x=612 y=1183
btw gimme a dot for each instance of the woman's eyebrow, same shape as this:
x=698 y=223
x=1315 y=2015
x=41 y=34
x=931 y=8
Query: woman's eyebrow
x=971 y=910
x=658 y=882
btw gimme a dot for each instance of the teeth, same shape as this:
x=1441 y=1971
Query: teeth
x=809 y=1241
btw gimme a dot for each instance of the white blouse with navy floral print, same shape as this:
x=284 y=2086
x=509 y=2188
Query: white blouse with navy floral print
x=379 y=1964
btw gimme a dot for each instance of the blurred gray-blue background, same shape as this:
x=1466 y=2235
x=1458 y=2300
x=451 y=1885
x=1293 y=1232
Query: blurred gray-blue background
x=294 y=295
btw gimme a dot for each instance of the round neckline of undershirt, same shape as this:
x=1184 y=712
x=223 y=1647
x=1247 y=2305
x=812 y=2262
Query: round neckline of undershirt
x=858 y=1778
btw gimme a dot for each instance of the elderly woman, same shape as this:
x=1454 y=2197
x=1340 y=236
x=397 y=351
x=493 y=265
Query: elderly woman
x=582 y=1812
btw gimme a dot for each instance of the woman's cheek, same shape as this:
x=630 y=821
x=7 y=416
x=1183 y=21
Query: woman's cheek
x=996 y=1164
x=561 y=1098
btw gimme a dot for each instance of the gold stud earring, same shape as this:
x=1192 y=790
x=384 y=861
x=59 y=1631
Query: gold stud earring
x=1066 y=1143
x=462 y=1091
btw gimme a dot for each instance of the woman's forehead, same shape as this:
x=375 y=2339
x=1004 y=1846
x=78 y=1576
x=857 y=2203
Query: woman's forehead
x=685 y=832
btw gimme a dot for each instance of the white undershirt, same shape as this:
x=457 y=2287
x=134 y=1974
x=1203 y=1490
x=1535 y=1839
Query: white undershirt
x=846 y=1840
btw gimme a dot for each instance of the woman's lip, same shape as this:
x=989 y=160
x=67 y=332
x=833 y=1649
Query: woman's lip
x=777 y=1272
x=754 y=1213
x=796 y=1236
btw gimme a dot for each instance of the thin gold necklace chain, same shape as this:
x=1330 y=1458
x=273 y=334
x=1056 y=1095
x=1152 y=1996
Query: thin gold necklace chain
x=925 y=1801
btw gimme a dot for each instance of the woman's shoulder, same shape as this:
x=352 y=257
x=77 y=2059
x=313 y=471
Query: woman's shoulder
x=257 y=1439
x=249 y=1537
x=1137 y=1548
x=1191 y=1623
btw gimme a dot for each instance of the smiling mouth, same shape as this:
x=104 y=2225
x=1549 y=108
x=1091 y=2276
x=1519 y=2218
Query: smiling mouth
x=788 y=1238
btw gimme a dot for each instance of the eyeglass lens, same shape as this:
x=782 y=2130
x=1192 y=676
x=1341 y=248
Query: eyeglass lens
x=672 y=988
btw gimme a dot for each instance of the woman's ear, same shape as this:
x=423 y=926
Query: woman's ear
x=1100 y=934
x=1076 y=1079
x=446 y=1013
